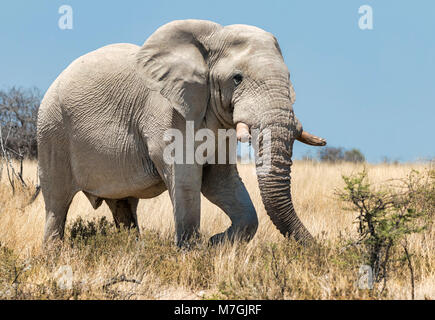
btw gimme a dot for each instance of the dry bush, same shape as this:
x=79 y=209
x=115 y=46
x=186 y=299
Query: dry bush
x=18 y=114
x=108 y=264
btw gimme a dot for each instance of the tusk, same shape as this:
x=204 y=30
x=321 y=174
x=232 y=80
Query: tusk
x=308 y=138
x=242 y=132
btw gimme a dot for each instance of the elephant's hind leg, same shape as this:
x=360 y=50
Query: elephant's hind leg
x=124 y=212
x=54 y=162
x=55 y=219
x=58 y=193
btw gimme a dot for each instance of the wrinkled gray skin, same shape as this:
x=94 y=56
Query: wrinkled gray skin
x=101 y=126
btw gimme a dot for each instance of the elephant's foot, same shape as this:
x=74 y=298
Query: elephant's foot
x=218 y=239
x=188 y=242
x=226 y=236
x=232 y=235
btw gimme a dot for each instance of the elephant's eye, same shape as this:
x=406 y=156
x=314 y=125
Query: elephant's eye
x=237 y=79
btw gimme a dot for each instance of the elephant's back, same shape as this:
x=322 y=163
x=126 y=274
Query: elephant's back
x=98 y=69
x=100 y=89
x=103 y=60
x=92 y=105
x=94 y=70
x=94 y=92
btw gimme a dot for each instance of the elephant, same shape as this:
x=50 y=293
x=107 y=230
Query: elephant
x=101 y=128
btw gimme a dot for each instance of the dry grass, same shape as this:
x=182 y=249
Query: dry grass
x=269 y=267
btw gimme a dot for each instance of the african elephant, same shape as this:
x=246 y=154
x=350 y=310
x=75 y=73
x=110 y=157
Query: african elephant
x=102 y=122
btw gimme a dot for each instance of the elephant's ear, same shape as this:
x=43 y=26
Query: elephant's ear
x=174 y=62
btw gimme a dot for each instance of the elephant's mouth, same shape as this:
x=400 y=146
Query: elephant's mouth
x=243 y=135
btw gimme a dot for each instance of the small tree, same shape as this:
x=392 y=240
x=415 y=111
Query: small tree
x=338 y=154
x=331 y=154
x=18 y=116
x=354 y=155
x=387 y=215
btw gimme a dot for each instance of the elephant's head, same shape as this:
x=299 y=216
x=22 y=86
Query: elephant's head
x=239 y=72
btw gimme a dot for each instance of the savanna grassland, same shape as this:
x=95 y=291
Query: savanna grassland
x=108 y=264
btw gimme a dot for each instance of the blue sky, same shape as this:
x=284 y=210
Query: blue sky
x=372 y=89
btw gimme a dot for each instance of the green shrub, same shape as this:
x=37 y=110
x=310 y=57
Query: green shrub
x=388 y=214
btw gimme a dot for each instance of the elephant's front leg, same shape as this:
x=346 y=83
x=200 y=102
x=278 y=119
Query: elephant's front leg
x=222 y=186
x=184 y=185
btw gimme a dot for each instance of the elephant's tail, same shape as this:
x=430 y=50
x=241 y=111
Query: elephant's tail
x=35 y=195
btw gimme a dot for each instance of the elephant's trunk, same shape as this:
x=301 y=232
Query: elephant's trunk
x=273 y=161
